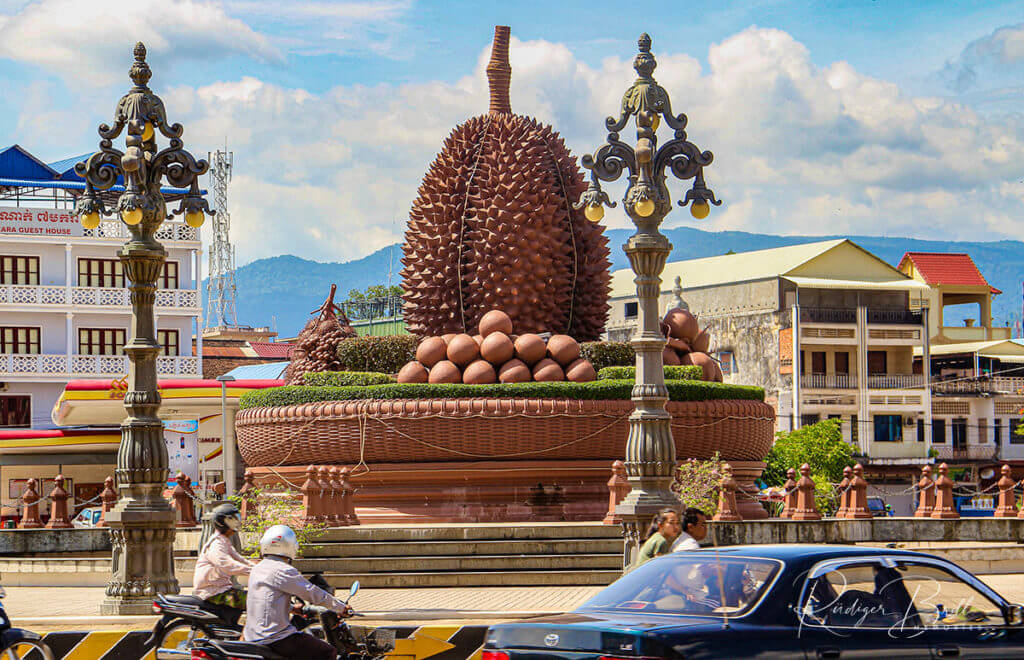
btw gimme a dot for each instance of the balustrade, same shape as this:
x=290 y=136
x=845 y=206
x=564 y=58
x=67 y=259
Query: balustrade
x=90 y=365
x=82 y=296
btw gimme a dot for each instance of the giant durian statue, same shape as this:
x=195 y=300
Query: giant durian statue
x=494 y=227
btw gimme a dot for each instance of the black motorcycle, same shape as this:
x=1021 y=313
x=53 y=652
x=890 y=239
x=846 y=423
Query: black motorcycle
x=17 y=643
x=188 y=618
x=351 y=642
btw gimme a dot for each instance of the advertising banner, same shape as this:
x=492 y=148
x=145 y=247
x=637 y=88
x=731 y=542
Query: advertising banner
x=182 y=439
x=39 y=222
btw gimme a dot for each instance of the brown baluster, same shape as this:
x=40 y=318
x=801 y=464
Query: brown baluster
x=618 y=488
x=789 y=499
x=310 y=496
x=323 y=476
x=108 y=498
x=338 y=518
x=58 y=505
x=844 y=492
x=945 y=508
x=727 y=509
x=925 y=494
x=30 y=501
x=806 y=509
x=1007 y=507
x=349 y=495
x=248 y=495
x=181 y=494
x=858 y=500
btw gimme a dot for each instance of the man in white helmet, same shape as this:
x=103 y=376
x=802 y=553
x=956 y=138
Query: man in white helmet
x=272 y=583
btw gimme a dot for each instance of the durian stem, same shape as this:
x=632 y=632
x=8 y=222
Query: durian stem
x=499 y=72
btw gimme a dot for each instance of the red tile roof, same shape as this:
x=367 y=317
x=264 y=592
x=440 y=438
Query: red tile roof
x=272 y=349
x=953 y=268
x=223 y=351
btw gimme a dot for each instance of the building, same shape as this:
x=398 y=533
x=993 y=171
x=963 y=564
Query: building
x=228 y=348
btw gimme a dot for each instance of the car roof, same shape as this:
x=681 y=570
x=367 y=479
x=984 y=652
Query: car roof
x=792 y=551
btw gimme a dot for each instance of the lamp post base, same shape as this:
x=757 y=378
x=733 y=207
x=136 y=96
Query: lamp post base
x=142 y=537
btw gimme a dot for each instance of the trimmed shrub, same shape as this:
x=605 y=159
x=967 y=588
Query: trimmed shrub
x=688 y=372
x=380 y=354
x=344 y=378
x=608 y=354
x=678 y=390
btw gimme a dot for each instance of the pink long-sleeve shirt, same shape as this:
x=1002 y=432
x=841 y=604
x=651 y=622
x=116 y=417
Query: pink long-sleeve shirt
x=217 y=562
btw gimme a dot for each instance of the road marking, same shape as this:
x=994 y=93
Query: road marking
x=95 y=645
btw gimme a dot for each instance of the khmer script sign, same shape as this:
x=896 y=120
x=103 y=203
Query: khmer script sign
x=39 y=222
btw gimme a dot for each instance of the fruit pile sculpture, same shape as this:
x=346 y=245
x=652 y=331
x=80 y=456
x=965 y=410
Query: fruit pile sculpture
x=688 y=344
x=317 y=345
x=493 y=227
x=497 y=355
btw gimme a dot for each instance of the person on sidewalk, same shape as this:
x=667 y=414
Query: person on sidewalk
x=272 y=583
x=695 y=530
x=663 y=531
x=218 y=562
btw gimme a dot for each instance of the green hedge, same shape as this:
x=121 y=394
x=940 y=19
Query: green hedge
x=608 y=354
x=678 y=390
x=687 y=372
x=380 y=354
x=345 y=378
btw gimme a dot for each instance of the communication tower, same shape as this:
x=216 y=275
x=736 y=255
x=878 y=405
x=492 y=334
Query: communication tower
x=220 y=288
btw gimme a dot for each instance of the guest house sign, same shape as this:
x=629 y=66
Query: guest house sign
x=38 y=222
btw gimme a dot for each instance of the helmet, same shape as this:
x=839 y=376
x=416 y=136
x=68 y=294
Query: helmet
x=226 y=516
x=279 y=540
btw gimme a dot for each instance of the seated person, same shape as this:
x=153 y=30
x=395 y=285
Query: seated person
x=892 y=592
x=218 y=562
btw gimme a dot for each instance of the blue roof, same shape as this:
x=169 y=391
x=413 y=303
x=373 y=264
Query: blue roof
x=16 y=163
x=259 y=371
x=66 y=167
x=78 y=185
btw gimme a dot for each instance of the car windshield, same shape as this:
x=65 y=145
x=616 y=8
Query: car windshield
x=697 y=584
x=875 y=505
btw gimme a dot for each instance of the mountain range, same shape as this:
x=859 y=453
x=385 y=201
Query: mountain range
x=282 y=291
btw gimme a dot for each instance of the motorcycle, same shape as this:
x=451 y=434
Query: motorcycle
x=352 y=643
x=17 y=643
x=187 y=618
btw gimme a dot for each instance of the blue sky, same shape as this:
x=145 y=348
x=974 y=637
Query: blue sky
x=878 y=117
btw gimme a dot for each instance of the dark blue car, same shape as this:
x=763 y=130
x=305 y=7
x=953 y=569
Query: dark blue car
x=778 y=601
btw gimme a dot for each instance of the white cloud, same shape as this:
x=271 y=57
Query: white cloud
x=1000 y=52
x=91 y=42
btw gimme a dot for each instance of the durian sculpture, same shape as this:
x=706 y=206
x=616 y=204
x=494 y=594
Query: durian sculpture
x=494 y=227
x=317 y=344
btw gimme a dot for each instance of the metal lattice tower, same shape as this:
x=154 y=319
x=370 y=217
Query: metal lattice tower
x=220 y=288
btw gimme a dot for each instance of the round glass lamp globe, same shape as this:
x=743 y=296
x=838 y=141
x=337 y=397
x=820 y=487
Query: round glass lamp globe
x=594 y=212
x=90 y=220
x=147 y=132
x=195 y=219
x=700 y=211
x=644 y=208
x=132 y=217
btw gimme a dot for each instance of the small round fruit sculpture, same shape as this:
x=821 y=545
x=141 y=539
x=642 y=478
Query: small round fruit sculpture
x=499 y=357
x=688 y=344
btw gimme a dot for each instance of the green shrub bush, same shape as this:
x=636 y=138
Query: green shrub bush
x=344 y=378
x=678 y=390
x=380 y=354
x=687 y=372
x=603 y=354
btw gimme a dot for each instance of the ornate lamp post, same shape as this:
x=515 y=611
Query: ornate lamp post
x=650 y=449
x=142 y=523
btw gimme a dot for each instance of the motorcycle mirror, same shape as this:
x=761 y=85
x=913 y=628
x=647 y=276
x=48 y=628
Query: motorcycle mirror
x=355 y=588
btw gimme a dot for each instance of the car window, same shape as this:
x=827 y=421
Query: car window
x=900 y=595
x=698 y=584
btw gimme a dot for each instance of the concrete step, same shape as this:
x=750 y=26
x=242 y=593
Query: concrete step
x=474 y=579
x=475 y=532
x=435 y=548
x=505 y=563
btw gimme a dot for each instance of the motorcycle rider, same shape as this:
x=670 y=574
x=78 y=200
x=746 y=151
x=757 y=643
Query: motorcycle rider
x=271 y=584
x=218 y=562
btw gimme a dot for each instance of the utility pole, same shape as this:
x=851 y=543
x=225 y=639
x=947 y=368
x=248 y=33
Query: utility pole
x=220 y=288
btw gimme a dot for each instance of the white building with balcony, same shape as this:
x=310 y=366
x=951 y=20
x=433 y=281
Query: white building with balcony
x=64 y=308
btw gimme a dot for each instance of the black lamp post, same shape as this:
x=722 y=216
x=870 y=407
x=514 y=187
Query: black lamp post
x=142 y=522
x=650 y=449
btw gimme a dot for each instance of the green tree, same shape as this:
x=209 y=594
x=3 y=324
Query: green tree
x=819 y=445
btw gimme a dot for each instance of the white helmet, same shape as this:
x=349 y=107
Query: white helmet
x=279 y=540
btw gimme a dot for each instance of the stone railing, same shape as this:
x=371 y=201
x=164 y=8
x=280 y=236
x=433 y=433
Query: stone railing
x=89 y=365
x=829 y=381
x=967 y=452
x=895 y=382
x=983 y=385
x=169 y=231
x=84 y=296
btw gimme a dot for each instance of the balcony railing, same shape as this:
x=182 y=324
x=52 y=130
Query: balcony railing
x=894 y=316
x=828 y=381
x=169 y=231
x=982 y=385
x=827 y=315
x=89 y=365
x=967 y=453
x=82 y=296
x=895 y=382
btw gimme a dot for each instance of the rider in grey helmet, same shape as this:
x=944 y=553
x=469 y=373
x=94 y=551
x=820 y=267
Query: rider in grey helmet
x=219 y=561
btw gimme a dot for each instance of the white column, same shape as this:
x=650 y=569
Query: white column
x=926 y=371
x=797 y=367
x=69 y=332
x=68 y=263
x=199 y=319
x=865 y=429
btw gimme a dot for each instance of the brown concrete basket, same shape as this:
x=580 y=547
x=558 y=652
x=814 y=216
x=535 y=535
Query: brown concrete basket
x=439 y=430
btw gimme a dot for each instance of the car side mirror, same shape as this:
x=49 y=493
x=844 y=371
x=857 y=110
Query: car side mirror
x=1015 y=615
